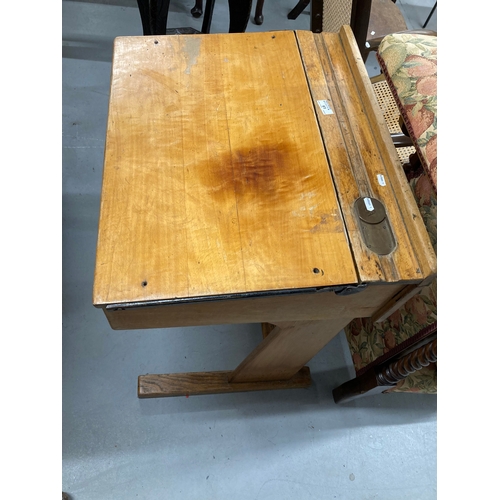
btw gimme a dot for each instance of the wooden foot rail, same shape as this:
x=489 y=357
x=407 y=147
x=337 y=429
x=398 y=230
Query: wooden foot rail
x=199 y=383
x=276 y=363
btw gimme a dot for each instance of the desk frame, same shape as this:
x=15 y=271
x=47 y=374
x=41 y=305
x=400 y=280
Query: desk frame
x=298 y=325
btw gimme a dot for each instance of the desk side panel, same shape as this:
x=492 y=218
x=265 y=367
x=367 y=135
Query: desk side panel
x=300 y=307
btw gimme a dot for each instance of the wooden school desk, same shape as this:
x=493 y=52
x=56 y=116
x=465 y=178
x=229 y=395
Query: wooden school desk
x=250 y=178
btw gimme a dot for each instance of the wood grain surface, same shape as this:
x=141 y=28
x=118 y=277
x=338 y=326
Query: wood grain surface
x=286 y=350
x=272 y=309
x=359 y=149
x=229 y=197
x=223 y=176
x=198 y=383
x=215 y=177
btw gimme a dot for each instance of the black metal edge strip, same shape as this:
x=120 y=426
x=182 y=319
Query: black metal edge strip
x=337 y=289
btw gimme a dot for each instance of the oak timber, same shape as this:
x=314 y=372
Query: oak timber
x=286 y=349
x=198 y=383
x=215 y=178
x=272 y=309
x=334 y=69
x=228 y=197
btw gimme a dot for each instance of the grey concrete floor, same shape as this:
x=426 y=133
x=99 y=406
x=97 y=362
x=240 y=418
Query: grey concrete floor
x=278 y=444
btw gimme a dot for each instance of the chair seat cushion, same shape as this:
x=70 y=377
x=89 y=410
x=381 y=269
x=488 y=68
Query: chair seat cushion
x=409 y=63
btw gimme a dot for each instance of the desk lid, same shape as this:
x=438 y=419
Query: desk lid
x=216 y=177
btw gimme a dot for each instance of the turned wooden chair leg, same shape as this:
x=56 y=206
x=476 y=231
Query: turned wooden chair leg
x=296 y=11
x=259 y=17
x=197 y=10
x=381 y=378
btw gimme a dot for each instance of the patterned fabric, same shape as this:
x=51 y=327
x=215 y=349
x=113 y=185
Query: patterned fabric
x=368 y=341
x=409 y=63
x=427 y=203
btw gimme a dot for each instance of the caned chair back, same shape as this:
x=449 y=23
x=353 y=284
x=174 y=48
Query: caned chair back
x=336 y=13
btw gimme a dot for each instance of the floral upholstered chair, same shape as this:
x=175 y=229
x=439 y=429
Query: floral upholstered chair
x=400 y=353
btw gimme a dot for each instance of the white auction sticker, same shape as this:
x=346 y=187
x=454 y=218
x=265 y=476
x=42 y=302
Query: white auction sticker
x=381 y=179
x=368 y=204
x=325 y=107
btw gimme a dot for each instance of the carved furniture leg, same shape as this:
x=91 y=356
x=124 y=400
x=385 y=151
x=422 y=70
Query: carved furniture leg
x=197 y=10
x=154 y=14
x=259 y=17
x=276 y=363
x=297 y=10
x=384 y=377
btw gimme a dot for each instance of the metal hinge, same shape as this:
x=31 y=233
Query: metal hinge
x=350 y=289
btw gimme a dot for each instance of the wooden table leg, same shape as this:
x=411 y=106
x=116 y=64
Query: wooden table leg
x=276 y=363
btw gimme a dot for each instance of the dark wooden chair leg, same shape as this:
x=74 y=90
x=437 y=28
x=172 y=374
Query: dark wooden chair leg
x=197 y=10
x=239 y=15
x=154 y=14
x=360 y=19
x=297 y=10
x=317 y=16
x=413 y=168
x=381 y=378
x=259 y=17
x=207 y=18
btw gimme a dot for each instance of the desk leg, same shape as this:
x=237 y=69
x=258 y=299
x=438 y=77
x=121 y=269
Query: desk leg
x=285 y=350
x=276 y=363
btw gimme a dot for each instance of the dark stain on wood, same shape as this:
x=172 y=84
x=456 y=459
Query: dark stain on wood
x=259 y=171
